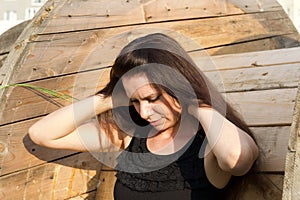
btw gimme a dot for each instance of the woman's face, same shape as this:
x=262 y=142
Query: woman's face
x=153 y=104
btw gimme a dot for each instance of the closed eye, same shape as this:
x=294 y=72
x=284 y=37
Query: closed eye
x=151 y=100
x=134 y=101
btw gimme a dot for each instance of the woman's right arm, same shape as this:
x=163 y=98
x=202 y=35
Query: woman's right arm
x=71 y=127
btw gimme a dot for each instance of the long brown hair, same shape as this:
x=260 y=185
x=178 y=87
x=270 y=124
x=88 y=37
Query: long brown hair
x=159 y=49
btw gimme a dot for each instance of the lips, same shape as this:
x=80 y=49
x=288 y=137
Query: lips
x=156 y=122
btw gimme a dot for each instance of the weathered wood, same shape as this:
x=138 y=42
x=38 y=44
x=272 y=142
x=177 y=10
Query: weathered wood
x=273 y=142
x=2 y=60
x=15 y=56
x=102 y=14
x=256 y=78
x=15 y=145
x=254 y=6
x=71 y=36
x=71 y=51
x=247 y=60
x=265 y=107
x=21 y=101
x=65 y=178
x=107 y=181
x=288 y=176
x=25 y=103
x=291 y=181
x=261 y=44
x=8 y=38
x=273 y=190
x=86 y=196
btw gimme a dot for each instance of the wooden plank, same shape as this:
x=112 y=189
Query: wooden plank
x=272 y=191
x=103 y=14
x=163 y=10
x=295 y=132
x=15 y=145
x=273 y=144
x=80 y=50
x=68 y=177
x=254 y=6
x=8 y=38
x=14 y=57
x=21 y=104
x=87 y=196
x=107 y=182
x=263 y=44
x=248 y=59
x=2 y=60
x=291 y=182
x=265 y=107
x=256 y=78
x=288 y=176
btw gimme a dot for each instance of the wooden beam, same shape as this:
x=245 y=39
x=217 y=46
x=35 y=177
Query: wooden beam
x=107 y=182
x=103 y=14
x=86 y=50
x=16 y=145
x=292 y=178
x=247 y=60
x=63 y=179
x=21 y=103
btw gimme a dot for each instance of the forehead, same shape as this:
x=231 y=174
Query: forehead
x=138 y=85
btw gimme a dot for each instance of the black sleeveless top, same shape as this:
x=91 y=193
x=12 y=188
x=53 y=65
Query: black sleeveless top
x=140 y=170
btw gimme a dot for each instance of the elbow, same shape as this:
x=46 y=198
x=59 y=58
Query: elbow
x=35 y=135
x=239 y=162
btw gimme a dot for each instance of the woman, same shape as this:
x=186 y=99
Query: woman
x=178 y=137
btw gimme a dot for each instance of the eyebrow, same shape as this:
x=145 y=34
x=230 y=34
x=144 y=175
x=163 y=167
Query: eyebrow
x=146 y=97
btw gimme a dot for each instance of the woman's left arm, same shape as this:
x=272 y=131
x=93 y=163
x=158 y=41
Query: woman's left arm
x=234 y=149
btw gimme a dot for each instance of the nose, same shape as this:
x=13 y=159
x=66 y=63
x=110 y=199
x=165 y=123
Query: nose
x=145 y=110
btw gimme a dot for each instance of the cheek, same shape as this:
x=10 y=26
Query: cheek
x=159 y=109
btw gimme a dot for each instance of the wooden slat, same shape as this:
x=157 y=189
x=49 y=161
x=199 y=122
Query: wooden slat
x=254 y=6
x=102 y=14
x=247 y=60
x=177 y=9
x=256 y=78
x=21 y=103
x=2 y=60
x=107 y=181
x=25 y=104
x=265 y=107
x=15 y=145
x=273 y=142
x=260 y=44
x=8 y=38
x=14 y=57
x=291 y=181
x=288 y=176
x=272 y=190
x=86 y=196
x=84 y=50
x=67 y=178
